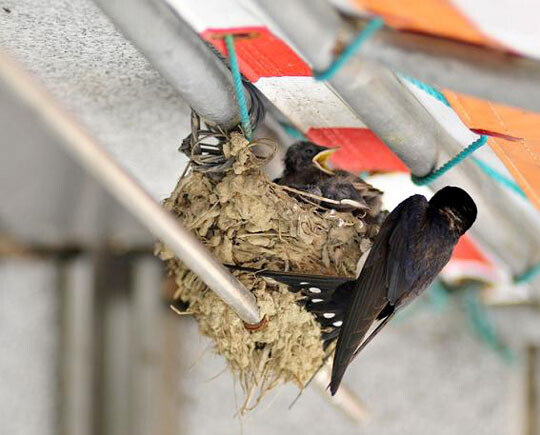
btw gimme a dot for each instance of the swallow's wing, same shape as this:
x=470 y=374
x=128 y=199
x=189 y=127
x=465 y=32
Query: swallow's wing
x=326 y=296
x=406 y=255
x=321 y=285
x=322 y=297
x=382 y=276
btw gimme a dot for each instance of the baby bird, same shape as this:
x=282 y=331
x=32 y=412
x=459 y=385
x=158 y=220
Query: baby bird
x=307 y=169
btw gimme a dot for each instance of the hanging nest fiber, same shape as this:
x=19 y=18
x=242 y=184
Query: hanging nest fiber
x=247 y=220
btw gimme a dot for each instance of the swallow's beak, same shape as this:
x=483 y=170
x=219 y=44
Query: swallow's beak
x=321 y=160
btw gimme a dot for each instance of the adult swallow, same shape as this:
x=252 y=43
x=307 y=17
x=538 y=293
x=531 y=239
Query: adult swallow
x=307 y=169
x=413 y=245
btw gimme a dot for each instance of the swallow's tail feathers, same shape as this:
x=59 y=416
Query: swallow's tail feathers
x=371 y=336
x=363 y=311
x=339 y=371
x=330 y=310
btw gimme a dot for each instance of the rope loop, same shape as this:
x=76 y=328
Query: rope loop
x=421 y=181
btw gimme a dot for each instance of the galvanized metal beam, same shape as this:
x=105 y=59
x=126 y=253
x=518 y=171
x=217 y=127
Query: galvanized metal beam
x=372 y=91
x=177 y=52
x=345 y=399
x=466 y=68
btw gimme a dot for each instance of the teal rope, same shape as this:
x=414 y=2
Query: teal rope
x=292 y=131
x=434 y=92
x=421 y=181
x=501 y=178
x=483 y=326
x=238 y=86
x=367 y=32
x=373 y=25
x=528 y=275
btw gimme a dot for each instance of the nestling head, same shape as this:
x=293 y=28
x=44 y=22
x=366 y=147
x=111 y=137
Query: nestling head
x=300 y=156
x=457 y=205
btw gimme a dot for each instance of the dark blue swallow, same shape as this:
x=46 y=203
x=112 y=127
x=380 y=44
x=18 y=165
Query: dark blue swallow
x=413 y=245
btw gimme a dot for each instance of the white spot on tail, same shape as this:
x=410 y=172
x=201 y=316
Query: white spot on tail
x=329 y=315
x=316 y=300
x=314 y=290
x=338 y=323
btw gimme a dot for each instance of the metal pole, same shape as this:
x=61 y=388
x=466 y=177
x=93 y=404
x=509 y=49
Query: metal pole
x=83 y=147
x=178 y=53
x=393 y=113
x=465 y=68
x=389 y=109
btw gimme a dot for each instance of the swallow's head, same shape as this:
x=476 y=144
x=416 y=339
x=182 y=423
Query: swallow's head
x=304 y=156
x=457 y=206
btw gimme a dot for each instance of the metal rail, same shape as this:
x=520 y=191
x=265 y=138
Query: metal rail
x=345 y=399
x=372 y=91
x=121 y=185
x=178 y=53
x=465 y=68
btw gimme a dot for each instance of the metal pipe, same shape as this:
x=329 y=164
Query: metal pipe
x=315 y=43
x=178 y=53
x=489 y=74
x=121 y=185
x=389 y=109
x=393 y=113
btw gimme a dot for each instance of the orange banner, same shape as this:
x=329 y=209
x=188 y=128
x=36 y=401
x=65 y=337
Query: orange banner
x=514 y=136
x=437 y=17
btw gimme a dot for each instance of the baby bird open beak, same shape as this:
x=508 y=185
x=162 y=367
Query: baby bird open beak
x=322 y=160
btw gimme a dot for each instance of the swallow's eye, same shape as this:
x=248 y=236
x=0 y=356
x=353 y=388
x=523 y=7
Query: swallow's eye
x=309 y=152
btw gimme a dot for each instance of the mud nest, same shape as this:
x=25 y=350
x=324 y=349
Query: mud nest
x=247 y=220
